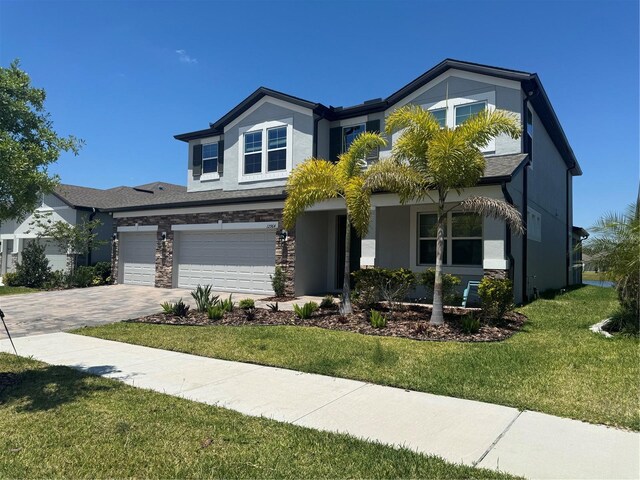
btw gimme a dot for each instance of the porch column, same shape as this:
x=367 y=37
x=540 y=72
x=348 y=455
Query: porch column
x=368 y=244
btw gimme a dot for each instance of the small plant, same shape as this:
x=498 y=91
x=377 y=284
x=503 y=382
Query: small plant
x=167 y=307
x=246 y=304
x=203 y=298
x=278 y=281
x=102 y=273
x=470 y=323
x=449 y=284
x=496 y=297
x=327 y=302
x=81 y=277
x=180 y=309
x=305 y=311
x=273 y=307
x=11 y=279
x=377 y=319
x=421 y=328
x=376 y=284
x=215 y=312
x=228 y=304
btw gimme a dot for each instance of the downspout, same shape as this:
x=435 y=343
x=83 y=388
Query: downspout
x=526 y=148
x=507 y=246
x=568 y=232
x=91 y=215
x=316 y=121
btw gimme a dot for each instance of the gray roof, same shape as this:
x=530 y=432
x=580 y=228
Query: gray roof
x=500 y=166
x=85 y=197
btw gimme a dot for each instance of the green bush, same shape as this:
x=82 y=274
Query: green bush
x=449 y=284
x=203 y=298
x=57 y=280
x=10 y=279
x=33 y=270
x=82 y=277
x=228 y=304
x=377 y=319
x=179 y=308
x=470 y=324
x=215 y=312
x=273 y=307
x=327 y=302
x=496 y=297
x=167 y=307
x=278 y=281
x=102 y=272
x=246 y=303
x=375 y=284
x=305 y=311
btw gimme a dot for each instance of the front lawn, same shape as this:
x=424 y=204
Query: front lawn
x=4 y=290
x=57 y=422
x=554 y=365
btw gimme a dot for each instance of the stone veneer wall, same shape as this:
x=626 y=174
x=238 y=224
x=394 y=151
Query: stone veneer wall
x=496 y=273
x=284 y=251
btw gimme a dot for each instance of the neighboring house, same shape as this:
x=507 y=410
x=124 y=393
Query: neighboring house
x=578 y=263
x=73 y=204
x=225 y=230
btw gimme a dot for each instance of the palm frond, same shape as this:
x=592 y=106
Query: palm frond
x=397 y=177
x=358 y=199
x=480 y=128
x=418 y=127
x=453 y=163
x=499 y=209
x=353 y=161
x=310 y=182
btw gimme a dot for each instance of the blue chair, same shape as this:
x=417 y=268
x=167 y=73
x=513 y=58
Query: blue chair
x=471 y=294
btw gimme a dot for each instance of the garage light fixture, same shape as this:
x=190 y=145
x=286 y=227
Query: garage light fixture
x=114 y=237
x=282 y=235
x=164 y=237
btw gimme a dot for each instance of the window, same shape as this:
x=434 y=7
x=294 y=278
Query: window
x=349 y=134
x=210 y=158
x=466 y=239
x=253 y=152
x=463 y=112
x=277 y=149
x=427 y=239
x=441 y=116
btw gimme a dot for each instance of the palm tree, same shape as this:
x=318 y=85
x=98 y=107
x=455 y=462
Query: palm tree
x=614 y=247
x=428 y=161
x=316 y=180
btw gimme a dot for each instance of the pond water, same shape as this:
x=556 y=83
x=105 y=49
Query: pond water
x=598 y=283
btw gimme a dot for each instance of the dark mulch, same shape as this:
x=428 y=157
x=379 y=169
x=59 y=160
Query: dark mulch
x=278 y=299
x=413 y=322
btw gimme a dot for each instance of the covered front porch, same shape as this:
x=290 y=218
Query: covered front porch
x=398 y=236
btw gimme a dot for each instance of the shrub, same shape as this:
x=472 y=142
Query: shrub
x=246 y=304
x=273 y=307
x=470 y=324
x=449 y=284
x=167 y=307
x=327 y=302
x=377 y=319
x=82 y=277
x=305 y=311
x=496 y=297
x=228 y=304
x=11 y=279
x=102 y=271
x=278 y=281
x=179 y=308
x=34 y=269
x=57 y=280
x=203 y=298
x=376 y=284
x=215 y=312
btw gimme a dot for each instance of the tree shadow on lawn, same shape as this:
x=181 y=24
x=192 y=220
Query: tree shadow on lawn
x=48 y=387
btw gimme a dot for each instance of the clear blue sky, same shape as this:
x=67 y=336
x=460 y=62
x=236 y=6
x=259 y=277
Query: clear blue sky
x=127 y=76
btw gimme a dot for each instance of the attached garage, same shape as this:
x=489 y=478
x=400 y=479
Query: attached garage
x=228 y=260
x=137 y=258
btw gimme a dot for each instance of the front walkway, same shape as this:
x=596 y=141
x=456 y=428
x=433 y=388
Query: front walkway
x=474 y=433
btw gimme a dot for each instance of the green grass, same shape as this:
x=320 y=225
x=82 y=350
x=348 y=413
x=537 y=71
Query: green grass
x=597 y=276
x=4 y=290
x=555 y=365
x=57 y=422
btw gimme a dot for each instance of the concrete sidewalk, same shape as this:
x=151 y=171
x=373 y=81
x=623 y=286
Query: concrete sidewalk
x=526 y=443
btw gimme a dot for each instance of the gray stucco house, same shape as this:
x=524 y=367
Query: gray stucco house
x=73 y=205
x=225 y=229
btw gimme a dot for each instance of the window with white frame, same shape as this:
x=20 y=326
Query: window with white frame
x=253 y=152
x=462 y=239
x=210 y=158
x=277 y=149
x=463 y=112
x=440 y=115
x=350 y=133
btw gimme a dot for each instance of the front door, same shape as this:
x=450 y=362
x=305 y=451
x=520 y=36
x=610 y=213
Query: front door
x=355 y=250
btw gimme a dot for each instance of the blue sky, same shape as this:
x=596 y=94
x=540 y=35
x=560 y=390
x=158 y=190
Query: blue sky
x=127 y=76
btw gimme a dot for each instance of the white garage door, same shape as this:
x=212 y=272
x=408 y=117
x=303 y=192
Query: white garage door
x=229 y=261
x=138 y=258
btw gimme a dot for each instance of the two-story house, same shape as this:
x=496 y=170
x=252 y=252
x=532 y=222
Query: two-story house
x=226 y=229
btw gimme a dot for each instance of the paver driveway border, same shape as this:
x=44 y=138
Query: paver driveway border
x=462 y=431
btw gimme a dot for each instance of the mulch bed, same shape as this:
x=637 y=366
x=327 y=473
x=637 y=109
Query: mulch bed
x=411 y=322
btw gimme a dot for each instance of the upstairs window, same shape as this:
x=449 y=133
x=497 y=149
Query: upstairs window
x=440 y=115
x=277 y=149
x=253 y=152
x=210 y=158
x=463 y=112
x=349 y=134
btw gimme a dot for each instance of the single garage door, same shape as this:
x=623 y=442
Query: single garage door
x=229 y=261
x=138 y=258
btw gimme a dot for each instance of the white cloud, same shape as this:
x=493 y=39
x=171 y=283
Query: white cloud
x=185 y=58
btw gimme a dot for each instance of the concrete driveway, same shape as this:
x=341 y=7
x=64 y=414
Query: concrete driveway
x=48 y=312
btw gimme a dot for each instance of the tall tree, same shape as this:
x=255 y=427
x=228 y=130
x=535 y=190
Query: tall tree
x=28 y=144
x=316 y=180
x=429 y=161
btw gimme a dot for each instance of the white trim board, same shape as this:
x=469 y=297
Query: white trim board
x=138 y=228
x=203 y=209
x=190 y=227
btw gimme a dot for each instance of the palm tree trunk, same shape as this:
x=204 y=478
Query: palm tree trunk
x=346 y=284
x=437 y=315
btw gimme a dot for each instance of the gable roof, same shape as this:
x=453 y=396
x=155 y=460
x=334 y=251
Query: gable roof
x=85 y=197
x=530 y=82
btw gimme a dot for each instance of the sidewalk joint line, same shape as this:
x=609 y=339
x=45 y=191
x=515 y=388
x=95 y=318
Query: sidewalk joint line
x=498 y=438
x=330 y=402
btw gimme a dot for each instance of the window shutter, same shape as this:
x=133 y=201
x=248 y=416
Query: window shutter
x=197 y=160
x=373 y=126
x=221 y=157
x=335 y=143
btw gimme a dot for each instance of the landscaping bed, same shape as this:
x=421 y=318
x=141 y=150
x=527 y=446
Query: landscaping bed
x=410 y=322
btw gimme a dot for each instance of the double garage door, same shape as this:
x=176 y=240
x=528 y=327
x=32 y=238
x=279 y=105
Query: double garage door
x=229 y=261
x=234 y=261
